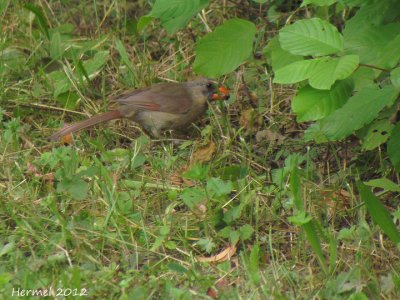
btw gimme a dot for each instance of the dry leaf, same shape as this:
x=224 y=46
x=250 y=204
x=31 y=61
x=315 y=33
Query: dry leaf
x=213 y=293
x=224 y=255
x=49 y=177
x=177 y=179
x=250 y=120
x=204 y=154
x=270 y=136
x=336 y=200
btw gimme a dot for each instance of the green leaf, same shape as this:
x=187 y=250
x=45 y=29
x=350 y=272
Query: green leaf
x=311 y=104
x=313 y=238
x=216 y=187
x=143 y=22
x=318 y=2
x=311 y=37
x=246 y=231
x=175 y=267
x=77 y=188
x=254 y=269
x=300 y=219
x=384 y=183
x=363 y=77
x=321 y=72
x=42 y=21
x=56 y=50
x=295 y=188
x=358 y=296
x=394 y=146
x=226 y=48
x=233 y=172
x=379 y=213
x=175 y=14
x=378 y=133
x=206 y=244
x=233 y=214
x=395 y=78
x=367 y=15
x=297 y=71
x=277 y=57
x=375 y=45
x=359 y=110
x=197 y=172
x=124 y=55
x=328 y=71
x=93 y=65
x=7 y=248
x=192 y=197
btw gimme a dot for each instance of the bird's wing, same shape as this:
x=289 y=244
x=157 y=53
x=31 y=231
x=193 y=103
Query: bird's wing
x=164 y=97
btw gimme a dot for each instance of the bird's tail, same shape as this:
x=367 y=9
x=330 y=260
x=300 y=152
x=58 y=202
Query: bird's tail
x=111 y=115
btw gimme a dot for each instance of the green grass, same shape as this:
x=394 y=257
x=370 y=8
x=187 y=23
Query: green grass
x=126 y=217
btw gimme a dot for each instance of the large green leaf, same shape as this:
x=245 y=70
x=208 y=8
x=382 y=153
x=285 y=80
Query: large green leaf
x=368 y=14
x=377 y=134
x=359 y=110
x=225 y=49
x=311 y=37
x=379 y=213
x=311 y=104
x=277 y=57
x=376 y=45
x=321 y=72
x=395 y=77
x=175 y=14
x=297 y=71
x=327 y=72
x=394 y=146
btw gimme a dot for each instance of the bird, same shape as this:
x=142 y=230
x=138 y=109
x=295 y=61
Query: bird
x=157 y=108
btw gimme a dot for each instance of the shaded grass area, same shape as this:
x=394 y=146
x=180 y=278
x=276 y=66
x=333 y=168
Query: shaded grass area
x=120 y=216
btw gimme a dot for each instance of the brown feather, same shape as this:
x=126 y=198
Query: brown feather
x=110 y=115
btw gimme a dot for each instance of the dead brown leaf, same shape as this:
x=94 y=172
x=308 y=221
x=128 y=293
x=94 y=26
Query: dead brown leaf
x=224 y=255
x=204 y=154
x=250 y=120
x=213 y=293
x=269 y=136
x=32 y=170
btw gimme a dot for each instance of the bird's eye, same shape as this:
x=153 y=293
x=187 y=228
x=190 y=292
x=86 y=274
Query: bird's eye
x=209 y=85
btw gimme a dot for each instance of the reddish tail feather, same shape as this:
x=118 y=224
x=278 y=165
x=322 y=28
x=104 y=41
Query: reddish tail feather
x=111 y=115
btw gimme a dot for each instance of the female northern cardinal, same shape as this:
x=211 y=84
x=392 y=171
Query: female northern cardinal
x=157 y=108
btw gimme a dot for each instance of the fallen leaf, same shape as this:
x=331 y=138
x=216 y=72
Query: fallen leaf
x=224 y=255
x=213 y=293
x=336 y=200
x=49 y=177
x=250 y=120
x=270 y=136
x=204 y=154
x=177 y=179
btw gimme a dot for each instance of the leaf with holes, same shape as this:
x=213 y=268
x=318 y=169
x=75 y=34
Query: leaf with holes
x=377 y=134
x=359 y=110
x=394 y=146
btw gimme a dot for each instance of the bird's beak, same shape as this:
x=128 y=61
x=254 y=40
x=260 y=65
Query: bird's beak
x=222 y=94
